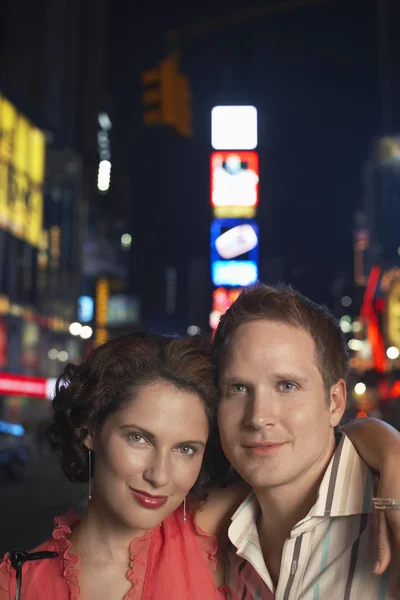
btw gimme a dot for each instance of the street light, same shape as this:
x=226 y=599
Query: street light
x=53 y=354
x=126 y=241
x=346 y=301
x=75 y=328
x=355 y=345
x=393 y=353
x=86 y=332
x=360 y=388
x=193 y=330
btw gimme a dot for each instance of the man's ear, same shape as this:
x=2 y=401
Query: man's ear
x=337 y=404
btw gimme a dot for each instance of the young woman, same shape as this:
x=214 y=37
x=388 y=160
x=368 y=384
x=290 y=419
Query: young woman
x=137 y=415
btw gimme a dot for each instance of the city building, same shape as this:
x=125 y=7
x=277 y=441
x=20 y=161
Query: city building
x=54 y=84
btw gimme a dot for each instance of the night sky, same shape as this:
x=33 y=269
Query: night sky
x=313 y=75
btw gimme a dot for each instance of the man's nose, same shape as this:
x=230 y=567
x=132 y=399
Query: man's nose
x=260 y=411
x=157 y=472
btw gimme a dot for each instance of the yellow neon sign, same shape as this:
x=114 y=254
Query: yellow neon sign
x=102 y=297
x=22 y=164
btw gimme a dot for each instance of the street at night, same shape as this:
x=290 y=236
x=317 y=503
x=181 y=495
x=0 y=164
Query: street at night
x=29 y=505
x=200 y=300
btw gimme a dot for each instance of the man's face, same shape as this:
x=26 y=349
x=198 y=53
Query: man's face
x=276 y=425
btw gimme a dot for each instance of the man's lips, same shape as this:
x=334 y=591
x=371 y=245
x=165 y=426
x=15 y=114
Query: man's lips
x=148 y=500
x=262 y=448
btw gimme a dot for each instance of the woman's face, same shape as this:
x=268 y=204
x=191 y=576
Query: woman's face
x=149 y=454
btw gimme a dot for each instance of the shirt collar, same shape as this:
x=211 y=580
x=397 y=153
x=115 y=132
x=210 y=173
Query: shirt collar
x=244 y=519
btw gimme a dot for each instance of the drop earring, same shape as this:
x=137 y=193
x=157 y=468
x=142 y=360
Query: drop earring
x=184 y=509
x=90 y=476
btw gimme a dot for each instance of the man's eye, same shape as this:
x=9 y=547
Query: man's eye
x=287 y=386
x=237 y=388
x=187 y=450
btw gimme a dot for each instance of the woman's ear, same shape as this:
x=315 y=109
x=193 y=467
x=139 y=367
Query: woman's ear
x=88 y=439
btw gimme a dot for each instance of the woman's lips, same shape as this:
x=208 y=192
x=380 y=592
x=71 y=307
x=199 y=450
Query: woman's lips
x=147 y=500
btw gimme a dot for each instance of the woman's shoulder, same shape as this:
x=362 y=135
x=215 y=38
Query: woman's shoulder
x=31 y=569
x=43 y=573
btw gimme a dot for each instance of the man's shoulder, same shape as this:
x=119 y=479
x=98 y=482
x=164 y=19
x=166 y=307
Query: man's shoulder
x=347 y=486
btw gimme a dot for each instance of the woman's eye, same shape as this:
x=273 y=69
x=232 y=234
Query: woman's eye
x=136 y=438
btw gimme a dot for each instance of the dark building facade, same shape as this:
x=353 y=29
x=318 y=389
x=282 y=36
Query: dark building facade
x=54 y=82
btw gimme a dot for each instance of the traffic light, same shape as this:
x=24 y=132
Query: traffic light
x=184 y=116
x=166 y=97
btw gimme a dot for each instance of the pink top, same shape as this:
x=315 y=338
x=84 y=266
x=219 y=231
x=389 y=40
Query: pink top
x=171 y=562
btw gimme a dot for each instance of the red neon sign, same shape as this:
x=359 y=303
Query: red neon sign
x=22 y=385
x=234 y=179
x=223 y=298
x=368 y=313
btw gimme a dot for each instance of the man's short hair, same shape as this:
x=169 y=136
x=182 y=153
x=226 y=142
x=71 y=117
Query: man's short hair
x=284 y=304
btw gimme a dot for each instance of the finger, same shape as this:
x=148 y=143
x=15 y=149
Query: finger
x=383 y=546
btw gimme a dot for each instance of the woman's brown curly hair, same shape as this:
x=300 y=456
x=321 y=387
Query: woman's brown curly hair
x=111 y=377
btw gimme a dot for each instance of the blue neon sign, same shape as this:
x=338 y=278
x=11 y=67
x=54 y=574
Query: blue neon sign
x=234 y=252
x=235 y=273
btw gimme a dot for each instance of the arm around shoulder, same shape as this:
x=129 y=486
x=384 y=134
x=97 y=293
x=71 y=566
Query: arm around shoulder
x=215 y=513
x=377 y=442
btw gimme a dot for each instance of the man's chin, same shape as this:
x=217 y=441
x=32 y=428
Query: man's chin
x=262 y=480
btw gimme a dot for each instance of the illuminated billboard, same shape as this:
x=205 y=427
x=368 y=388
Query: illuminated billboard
x=85 y=309
x=234 y=238
x=22 y=164
x=102 y=299
x=234 y=128
x=234 y=252
x=234 y=272
x=234 y=179
x=393 y=313
x=222 y=299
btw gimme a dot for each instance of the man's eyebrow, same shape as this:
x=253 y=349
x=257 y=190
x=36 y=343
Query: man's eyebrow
x=277 y=376
x=233 y=379
x=282 y=376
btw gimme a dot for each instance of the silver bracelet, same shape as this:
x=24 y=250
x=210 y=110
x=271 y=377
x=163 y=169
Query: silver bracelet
x=386 y=504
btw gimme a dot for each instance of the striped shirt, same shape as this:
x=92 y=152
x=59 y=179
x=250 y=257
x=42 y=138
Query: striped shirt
x=330 y=554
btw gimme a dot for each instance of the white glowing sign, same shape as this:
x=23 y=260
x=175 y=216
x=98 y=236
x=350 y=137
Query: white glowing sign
x=103 y=147
x=234 y=128
x=236 y=241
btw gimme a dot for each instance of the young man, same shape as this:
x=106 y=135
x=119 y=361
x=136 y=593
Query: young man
x=306 y=531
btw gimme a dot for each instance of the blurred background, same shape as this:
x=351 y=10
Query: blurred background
x=155 y=161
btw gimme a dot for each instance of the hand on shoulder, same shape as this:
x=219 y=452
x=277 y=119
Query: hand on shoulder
x=214 y=515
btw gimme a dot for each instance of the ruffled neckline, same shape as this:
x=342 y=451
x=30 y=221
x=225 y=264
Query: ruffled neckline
x=138 y=550
x=208 y=546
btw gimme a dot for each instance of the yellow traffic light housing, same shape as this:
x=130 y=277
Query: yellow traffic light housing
x=184 y=116
x=166 y=97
